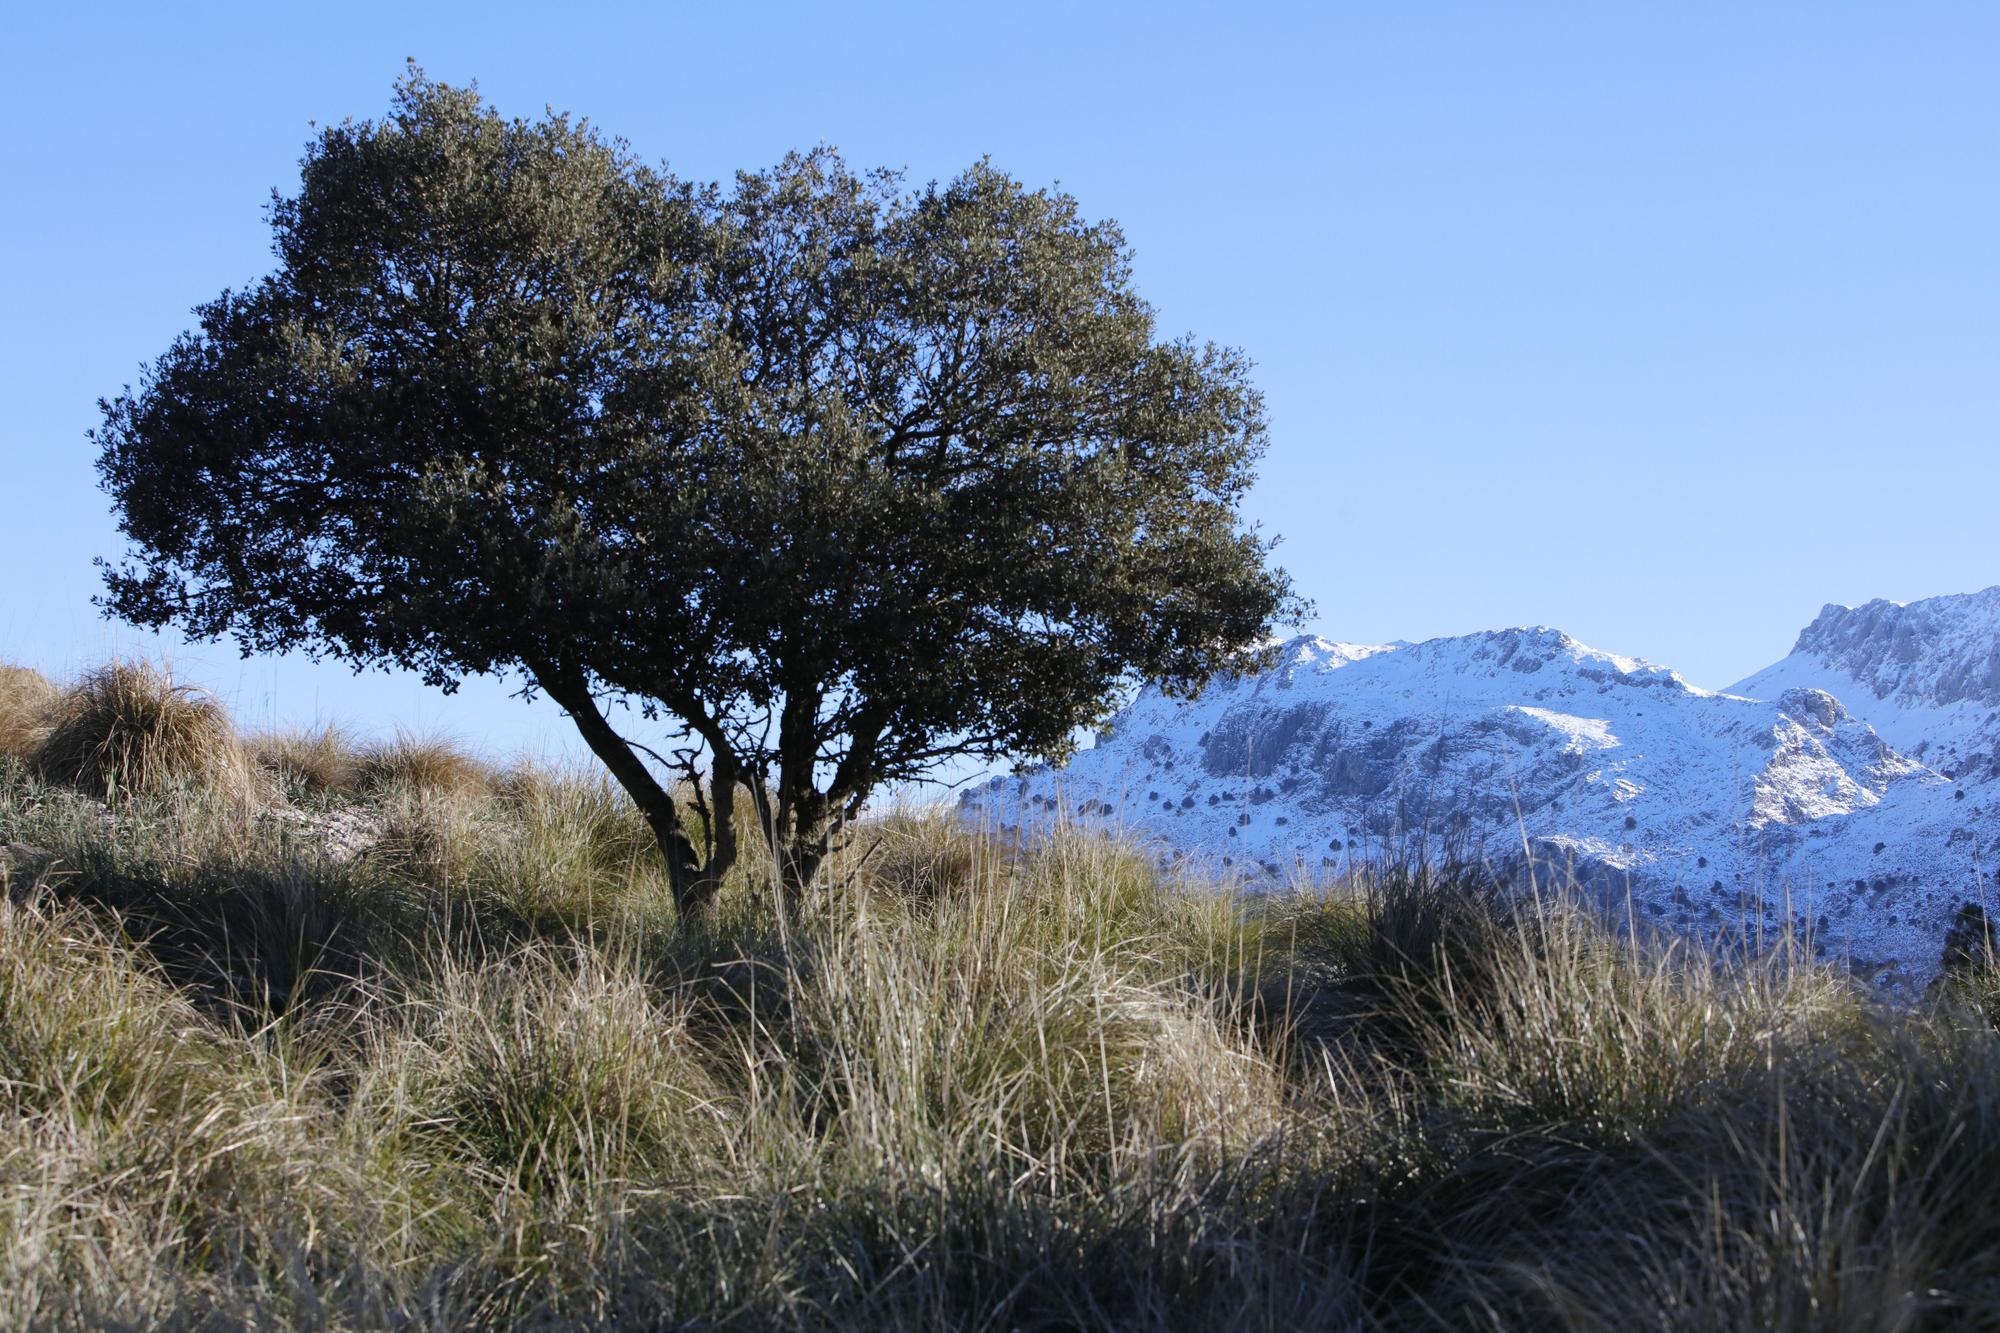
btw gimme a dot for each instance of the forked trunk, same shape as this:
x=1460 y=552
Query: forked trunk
x=692 y=882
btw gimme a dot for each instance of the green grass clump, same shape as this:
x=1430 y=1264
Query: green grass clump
x=560 y=1075
x=470 y=1072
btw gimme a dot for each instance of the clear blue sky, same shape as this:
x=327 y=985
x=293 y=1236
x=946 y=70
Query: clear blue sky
x=1662 y=324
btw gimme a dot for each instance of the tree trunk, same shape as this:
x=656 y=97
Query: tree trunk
x=802 y=839
x=722 y=780
x=693 y=884
x=808 y=820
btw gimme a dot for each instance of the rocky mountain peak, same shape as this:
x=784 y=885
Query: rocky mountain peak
x=1816 y=707
x=1850 y=781
x=1939 y=651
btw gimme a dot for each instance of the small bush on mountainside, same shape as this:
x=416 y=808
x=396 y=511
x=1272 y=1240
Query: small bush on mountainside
x=1969 y=971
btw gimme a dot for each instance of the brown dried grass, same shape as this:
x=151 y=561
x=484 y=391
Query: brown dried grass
x=130 y=729
x=425 y=763
x=319 y=762
x=27 y=701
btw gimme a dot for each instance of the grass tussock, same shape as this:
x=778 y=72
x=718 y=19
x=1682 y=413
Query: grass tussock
x=425 y=764
x=309 y=764
x=129 y=729
x=27 y=703
x=475 y=1075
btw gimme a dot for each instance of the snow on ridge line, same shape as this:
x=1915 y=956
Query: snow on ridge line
x=1925 y=674
x=1777 y=795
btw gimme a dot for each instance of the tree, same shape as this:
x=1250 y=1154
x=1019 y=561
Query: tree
x=832 y=478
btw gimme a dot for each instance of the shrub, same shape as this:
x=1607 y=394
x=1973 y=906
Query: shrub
x=428 y=838
x=1030 y=1020
x=129 y=729
x=571 y=844
x=1969 y=971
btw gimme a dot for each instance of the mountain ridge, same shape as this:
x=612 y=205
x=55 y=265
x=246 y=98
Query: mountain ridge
x=1846 y=785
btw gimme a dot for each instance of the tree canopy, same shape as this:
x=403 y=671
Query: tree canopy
x=831 y=478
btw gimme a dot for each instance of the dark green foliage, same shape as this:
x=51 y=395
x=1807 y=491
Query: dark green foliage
x=1969 y=944
x=839 y=478
x=1970 y=969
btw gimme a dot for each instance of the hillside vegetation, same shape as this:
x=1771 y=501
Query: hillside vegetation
x=297 y=1031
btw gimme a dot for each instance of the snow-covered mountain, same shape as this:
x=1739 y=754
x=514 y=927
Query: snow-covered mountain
x=1851 y=785
x=1926 y=675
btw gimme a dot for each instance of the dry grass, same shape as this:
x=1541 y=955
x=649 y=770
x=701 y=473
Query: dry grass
x=312 y=763
x=425 y=763
x=479 y=1077
x=27 y=700
x=129 y=729
x=922 y=858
